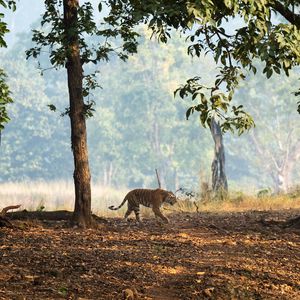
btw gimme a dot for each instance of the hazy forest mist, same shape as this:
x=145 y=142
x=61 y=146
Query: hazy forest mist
x=138 y=125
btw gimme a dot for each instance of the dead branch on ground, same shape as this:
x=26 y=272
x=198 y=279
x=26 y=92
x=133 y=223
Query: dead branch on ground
x=4 y=221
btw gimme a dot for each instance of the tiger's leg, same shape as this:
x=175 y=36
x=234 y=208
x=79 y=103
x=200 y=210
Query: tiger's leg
x=137 y=213
x=128 y=212
x=158 y=213
x=134 y=205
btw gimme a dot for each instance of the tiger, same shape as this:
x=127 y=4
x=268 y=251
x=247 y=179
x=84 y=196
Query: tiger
x=149 y=198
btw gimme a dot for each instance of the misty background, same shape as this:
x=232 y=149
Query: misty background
x=138 y=125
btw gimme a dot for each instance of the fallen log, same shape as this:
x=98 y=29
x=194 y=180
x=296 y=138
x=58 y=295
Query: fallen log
x=57 y=215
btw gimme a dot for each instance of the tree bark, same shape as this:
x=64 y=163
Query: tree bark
x=219 y=180
x=82 y=213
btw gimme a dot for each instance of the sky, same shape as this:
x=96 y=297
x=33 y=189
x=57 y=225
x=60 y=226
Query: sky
x=22 y=18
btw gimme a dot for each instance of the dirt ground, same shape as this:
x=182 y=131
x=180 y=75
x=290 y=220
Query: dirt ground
x=247 y=255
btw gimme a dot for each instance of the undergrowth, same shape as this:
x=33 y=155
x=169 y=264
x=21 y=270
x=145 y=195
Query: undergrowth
x=59 y=195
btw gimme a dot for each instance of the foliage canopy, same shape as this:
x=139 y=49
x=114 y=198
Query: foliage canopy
x=234 y=32
x=54 y=36
x=4 y=89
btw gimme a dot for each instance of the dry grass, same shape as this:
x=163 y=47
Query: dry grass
x=238 y=202
x=58 y=195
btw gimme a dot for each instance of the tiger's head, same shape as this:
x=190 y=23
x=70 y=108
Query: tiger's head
x=170 y=198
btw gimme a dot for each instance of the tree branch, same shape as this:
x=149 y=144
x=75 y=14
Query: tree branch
x=286 y=13
x=226 y=47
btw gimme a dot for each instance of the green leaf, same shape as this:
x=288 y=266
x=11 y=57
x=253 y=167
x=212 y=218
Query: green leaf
x=182 y=93
x=189 y=111
x=52 y=107
x=203 y=117
x=269 y=73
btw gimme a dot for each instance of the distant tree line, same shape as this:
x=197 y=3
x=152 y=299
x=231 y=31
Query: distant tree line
x=139 y=126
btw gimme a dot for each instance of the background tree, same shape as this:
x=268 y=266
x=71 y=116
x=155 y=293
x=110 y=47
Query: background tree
x=69 y=24
x=275 y=150
x=4 y=89
x=31 y=152
x=219 y=179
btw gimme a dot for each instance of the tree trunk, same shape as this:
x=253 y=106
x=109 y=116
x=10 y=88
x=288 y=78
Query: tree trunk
x=82 y=213
x=158 y=179
x=219 y=180
x=281 y=181
x=282 y=176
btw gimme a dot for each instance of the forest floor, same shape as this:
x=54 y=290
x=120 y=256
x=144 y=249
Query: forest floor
x=249 y=255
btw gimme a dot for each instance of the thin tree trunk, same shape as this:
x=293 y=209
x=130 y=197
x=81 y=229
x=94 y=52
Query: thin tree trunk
x=82 y=212
x=282 y=182
x=219 y=180
x=158 y=180
x=282 y=178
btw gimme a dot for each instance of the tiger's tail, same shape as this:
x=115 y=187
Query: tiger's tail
x=116 y=208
